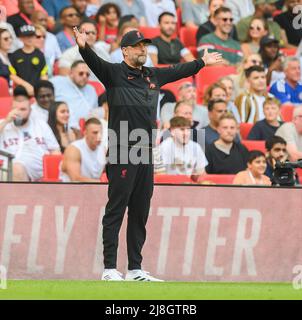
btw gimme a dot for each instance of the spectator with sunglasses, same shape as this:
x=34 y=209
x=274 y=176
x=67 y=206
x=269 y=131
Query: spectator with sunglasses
x=209 y=26
x=72 y=54
x=69 y=17
x=76 y=92
x=220 y=39
x=258 y=28
x=166 y=49
x=51 y=49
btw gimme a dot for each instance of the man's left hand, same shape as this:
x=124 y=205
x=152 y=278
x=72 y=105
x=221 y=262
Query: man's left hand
x=212 y=58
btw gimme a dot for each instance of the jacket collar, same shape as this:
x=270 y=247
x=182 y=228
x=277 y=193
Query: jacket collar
x=134 y=72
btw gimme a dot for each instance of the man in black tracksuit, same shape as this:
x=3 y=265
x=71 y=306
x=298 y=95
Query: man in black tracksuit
x=132 y=94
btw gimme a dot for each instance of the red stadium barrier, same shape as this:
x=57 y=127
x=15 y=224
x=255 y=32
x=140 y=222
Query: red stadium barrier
x=5 y=106
x=195 y=233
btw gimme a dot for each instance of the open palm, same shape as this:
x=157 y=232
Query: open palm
x=212 y=58
x=81 y=37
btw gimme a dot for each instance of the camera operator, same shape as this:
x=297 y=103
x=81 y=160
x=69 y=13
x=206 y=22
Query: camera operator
x=276 y=151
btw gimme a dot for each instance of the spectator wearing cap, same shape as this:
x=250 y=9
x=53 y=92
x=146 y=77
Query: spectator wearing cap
x=45 y=97
x=220 y=40
x=23 y=17
x=69 y=18
x=272 y=59
x=286 y=19
x=291 y=132
x=289 y=90
x=186 y=93
x=74 y=89
x=165 y=49
x=263 y=9
x=28 y=64
x=209 y=25
x=27 y=138
x=52 y=49
x=72 y=54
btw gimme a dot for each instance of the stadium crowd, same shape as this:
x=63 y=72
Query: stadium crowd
x=237 y=118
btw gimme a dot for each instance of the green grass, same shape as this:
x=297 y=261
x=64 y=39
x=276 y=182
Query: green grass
x=19 y=289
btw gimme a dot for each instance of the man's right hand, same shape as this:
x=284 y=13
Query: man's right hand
x=11 y=116
x=81 y=37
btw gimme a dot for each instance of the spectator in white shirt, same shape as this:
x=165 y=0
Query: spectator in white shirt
x=74 y=89
x=27 y=138
x=180 y=155
x=45 y=96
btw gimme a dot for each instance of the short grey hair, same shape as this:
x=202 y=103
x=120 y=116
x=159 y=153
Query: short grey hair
x=287 y=60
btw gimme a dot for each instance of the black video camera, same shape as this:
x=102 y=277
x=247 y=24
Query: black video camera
x=284 y=173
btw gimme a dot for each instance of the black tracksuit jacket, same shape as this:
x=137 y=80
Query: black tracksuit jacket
x=132 y=94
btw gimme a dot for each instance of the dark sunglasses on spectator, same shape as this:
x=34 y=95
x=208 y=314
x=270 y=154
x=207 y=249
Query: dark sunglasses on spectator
x=90 y=32
x=70 y=15
x=7 y=38
x=227 y=19
x=82 y=73
x=255 y=28
x=40 y=36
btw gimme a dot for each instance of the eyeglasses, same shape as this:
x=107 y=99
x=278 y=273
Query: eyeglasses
x=40 y=36
x=90 y=32
x=227 y=19
x=71 y=15
x=82 y=73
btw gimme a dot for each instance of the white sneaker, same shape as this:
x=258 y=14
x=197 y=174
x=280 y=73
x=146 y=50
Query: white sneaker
x=112 y=275
x=140 y=275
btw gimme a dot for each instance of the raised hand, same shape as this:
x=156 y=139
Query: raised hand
x=81 y=37
x=211 y=58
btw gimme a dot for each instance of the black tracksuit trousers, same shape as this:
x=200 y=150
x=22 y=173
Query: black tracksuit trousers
x=129 y=186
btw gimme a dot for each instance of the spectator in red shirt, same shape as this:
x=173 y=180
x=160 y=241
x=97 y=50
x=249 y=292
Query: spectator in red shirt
x=107 y=19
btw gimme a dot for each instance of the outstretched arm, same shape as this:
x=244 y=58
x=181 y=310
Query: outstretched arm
x=97 y=65
x=183 y=70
